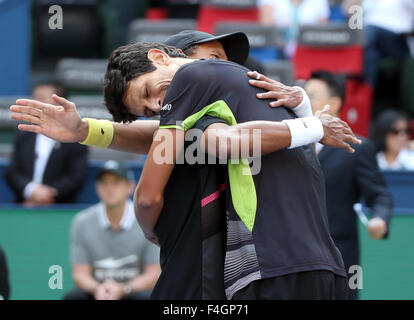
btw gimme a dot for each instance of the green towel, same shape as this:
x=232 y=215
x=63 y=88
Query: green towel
x=243 y=191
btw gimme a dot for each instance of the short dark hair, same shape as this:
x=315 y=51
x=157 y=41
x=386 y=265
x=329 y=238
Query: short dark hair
x=189 y=51
x=383 y=125
x=335 y=84
x=126 y=63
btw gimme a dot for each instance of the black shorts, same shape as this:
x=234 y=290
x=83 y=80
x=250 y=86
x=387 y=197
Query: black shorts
x=309 y=285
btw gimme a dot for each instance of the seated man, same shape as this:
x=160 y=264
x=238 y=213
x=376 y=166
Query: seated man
x=110 y=256
x=43 y=171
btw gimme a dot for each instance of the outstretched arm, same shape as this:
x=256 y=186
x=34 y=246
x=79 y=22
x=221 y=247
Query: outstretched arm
x=63 y=123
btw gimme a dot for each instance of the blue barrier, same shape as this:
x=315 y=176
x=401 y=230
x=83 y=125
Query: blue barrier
x=401 y=186
x=15 y=34
x=87 y=194
x=400 y=183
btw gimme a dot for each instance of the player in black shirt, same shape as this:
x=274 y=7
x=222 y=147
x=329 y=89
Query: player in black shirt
x=281 y=229
x=182 y=222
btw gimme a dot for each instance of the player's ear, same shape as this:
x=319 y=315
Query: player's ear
x=158 y=57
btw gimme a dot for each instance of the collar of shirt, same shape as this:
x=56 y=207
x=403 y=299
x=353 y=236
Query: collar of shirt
x=318 y=147
x=404 y=160
x=43 y=149
x=127 y=221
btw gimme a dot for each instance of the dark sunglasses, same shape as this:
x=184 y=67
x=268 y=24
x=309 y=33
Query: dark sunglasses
x=400 y=131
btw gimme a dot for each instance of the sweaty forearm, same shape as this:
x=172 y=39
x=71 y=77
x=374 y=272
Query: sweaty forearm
x=134 y=137
x=249 y=139
x=259 y=138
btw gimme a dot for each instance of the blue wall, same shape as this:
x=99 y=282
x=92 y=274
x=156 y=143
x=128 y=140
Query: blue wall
x=15 y=49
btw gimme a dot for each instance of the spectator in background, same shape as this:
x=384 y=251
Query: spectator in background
x=390 y=133
x=4 y=277
x=386 y=26
x=289 y=15
x=43 y=171
x=348 y=178
x=110 y=256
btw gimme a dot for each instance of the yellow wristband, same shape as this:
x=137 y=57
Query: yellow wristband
x=100 y=134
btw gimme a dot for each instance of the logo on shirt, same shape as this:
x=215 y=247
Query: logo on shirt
x=167 y=107
x=112 y=263
x=119 y=269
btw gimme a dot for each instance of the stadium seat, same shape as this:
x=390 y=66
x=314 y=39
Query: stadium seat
x=157 y=31
x=91 y=107
x=265 y=41
x=82 y=74
x=212 y=12
x=281 y=71
x=156 y=14
x=358 y=106
x=81 y=36
x=333 y=47
x=5 y=102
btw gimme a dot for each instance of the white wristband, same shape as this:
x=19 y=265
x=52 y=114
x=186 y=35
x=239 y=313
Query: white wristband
x=304 y=109
x=304 y=131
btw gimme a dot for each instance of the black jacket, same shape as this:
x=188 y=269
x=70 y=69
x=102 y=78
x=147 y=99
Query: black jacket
x=350 y=177
x=4 y=276
x=65 y=170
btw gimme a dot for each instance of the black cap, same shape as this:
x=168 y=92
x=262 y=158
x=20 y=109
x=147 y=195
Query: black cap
x=236 y=45
x=116 y=167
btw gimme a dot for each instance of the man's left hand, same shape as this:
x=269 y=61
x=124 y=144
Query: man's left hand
x=114 y=290
x=377 y=228
x=289 y=97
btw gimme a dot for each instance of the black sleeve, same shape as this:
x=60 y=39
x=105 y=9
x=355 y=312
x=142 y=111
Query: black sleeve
x=14 y=172
x=190 y=91
x=4 y=276
x=371 y=183
x=206 y=121
x=77 y=164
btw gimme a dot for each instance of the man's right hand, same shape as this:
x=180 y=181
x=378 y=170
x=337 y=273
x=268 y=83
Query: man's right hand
x=337 y=133
x=43 y=194
x=60 y=122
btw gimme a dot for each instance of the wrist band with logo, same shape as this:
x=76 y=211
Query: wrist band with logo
x=304 y=108
x=100 y=133
x=304 y=131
